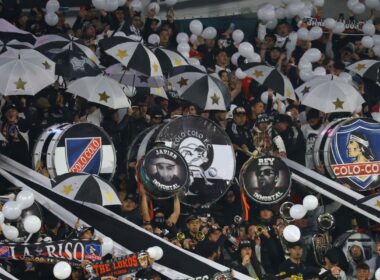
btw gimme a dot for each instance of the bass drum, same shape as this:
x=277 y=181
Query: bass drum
x=209 y=154
x=77 y=148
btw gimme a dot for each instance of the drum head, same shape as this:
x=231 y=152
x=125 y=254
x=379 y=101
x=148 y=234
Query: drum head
x=208 y=152
x=266 y=180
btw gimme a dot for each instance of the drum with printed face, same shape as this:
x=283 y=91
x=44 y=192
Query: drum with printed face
x=76 y=148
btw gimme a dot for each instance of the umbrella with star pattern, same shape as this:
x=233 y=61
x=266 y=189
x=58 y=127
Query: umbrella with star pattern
x=132 y=54
x=271 y=78
x=367 y=68
x=9 y=31
x=169 y=59
x=84 y=187
x=196 y=86
x=330 y=94
x=25 y=72
x=14 y=44
x=102 y=90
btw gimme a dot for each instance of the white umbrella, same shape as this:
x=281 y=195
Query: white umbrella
x=330 y=94
x=25 y=72
x=102 y=90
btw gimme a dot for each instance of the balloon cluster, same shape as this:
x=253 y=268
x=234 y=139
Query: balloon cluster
x=12 y=210
x=292 y=233
x=357 y=7
x=305 y=65
x=309 y=35
x=51 y=18
x=109 y=5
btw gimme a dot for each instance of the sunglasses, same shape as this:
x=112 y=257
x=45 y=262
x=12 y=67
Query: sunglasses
x=266 y=172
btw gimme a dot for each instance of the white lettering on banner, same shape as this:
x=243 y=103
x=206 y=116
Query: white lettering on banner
x=356 y=169
x=87 y=155
x=68 y=248
x=267 y=197
x=166 y=152
x=50 y=250
x=76 y=250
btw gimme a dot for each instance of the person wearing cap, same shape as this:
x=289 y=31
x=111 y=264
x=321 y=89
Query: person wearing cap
x=247 y=261
x=266 y=139
x=294 y=267
x=335 y=265
x=240 y=136
x=292 y=136
x=156 y=115
x=130 y=209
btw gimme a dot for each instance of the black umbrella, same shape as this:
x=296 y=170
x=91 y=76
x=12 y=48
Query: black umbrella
x=14 y=44
x=367 y=68
x=169 y=59
x=9 y=32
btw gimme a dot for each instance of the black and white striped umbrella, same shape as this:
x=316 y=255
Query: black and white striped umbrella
x=14 y=44
x=86 y=188
x=270 y=77
x=367 y=68
x=132 y=54
x=169 y=59
x=9 y=32
x=196 y=86
x=50 y=45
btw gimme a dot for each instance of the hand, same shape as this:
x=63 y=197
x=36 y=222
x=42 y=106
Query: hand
x=246 y=260
x=335 y=271
x=85 y=262
x=77 y=224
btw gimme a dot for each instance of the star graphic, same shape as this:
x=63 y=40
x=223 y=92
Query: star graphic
x=360 y=66
x=305 y=90
x=47 y=65
x=67 y=189
x=258 y=73
x=122 y=53
x=77 y=63
x=158 y=90
x=20 y=84
x=103 y=96
x=177 y=62
x=215 y=99
x=143 y=79
x=108 y=196
x=155 y=67
x=182 y=82
x=338 y=104
x=377 y=204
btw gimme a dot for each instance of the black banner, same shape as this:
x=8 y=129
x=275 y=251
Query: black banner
x=72 y=251
x=352 y=27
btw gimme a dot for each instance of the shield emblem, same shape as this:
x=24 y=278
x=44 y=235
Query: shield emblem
x=84 y=154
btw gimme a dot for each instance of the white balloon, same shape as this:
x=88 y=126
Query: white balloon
x=315 y=33
x=358 y=8
x=193 y=38
x=246 y=49
x=240 y=74
x=272 y=24
x=170 y=3
x=155 y=252
x=25 y=198
x=367 y=42
x=11 y=210
x=369 y=28
x=32 y=224
x=305 y=65
x=376 y=39
x=111 y=5
x=313 y=55
x=209 y=33
x=306 y=75
x=10 y=232
x=264 y=97
x=310 y=202
x=295 y=7
x=183 y=48
x=234 y=58
x=266 y=13
x=196 y=27
x=122 y=2
x=1 y=218
x=319 y=71
x=52 y=6
x=254 y=58
x=238 y=36
x=376 y=50
x=193 y=61
x=99 y=4
x=329 y=23
x=352 y=3
x=297 y=211
x=62 y=270
x=346 y=77
x=377 y=274
x=182 y=37
x=280 y=13
x=137 y=5
x=154 y=39
x=107 y=246
x=319 y=3
x=51 y=19
x=303 y=33
x=305 y=12
x=339 y=28
x=154 y=6
x=292 y=233
x=372 y=3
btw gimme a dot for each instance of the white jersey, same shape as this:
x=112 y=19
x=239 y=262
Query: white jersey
x=310 y=135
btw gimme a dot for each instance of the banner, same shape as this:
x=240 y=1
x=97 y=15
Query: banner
x=353 y=27
x=226 y=275
x=121 y=265
x=72 y=251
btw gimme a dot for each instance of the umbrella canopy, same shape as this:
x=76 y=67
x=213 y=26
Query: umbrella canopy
x=25 y=72
x=14 y=44
x=86 y=188
x=330 y=94
x=53 y=43
x=9 y=32
x=133 y=78
x=102 y=90
x=368 y=69
x=199 y=88
x=160 y=92
x=132 y=54
x=270 y=77
x=169 y=59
